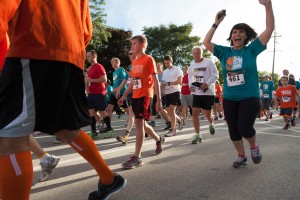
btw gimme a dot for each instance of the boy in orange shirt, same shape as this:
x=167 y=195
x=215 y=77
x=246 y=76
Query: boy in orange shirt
x=287 y=95
x=143 y=73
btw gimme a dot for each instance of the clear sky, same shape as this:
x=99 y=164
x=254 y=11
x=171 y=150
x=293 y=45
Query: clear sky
x=135 y=14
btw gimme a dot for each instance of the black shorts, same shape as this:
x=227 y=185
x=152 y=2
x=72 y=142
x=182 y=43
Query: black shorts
x=286 y=112
x=153 y=106
x=203 y=101
x=39 y=95
x=97 y=102
x=217 y=100
x=163 y=101
x=129 y=100
x=114 y=101
x=173 y=99
x=266 y=102
x=141 y=107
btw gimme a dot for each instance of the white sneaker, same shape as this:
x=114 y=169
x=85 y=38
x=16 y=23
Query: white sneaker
x=47 y=167
x=170 y=133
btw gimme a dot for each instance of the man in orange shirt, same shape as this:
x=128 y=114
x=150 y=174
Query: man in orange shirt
x=287 y=94
x=144 y=76
x=44 y=65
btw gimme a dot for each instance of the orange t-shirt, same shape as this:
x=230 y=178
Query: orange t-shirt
x=288 y=96
x=47 y=30
x=141 y=73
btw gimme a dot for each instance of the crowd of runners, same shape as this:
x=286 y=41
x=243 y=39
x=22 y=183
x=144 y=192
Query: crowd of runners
x=45 y=65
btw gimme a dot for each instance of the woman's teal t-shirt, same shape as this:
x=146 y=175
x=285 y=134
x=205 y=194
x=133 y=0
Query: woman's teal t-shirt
x=267 y=88
x=240 y=70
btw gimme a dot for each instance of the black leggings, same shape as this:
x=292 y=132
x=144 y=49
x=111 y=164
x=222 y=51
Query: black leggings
x=240 y=117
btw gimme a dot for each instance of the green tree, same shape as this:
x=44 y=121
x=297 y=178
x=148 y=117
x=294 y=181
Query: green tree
x=118 y=46
x=171 y=40
x=100 y=32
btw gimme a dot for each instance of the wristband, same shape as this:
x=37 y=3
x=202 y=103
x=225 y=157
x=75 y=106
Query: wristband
x=215 y=26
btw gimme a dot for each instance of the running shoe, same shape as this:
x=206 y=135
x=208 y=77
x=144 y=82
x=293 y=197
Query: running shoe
x=105 y=191
x=220 y=115
x=109 y=133
x=151 y=123
x=159 y=144
x=123 y=139
x=57 y=141
x=168 y=126
x=216 y=118
x=271 y=115
x=266 y=119
x=94 y=134
x=255 y=154
x=293 y=123
x=240 y=161
x=197 y=139
x=180 y=124
x=170 y=133
x=47 y=167
x=212 y=129
x=133 y=162
x=286 y=127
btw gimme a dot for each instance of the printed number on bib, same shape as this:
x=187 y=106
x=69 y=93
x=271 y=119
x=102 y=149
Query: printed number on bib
x=235 y=78
x=198 y=79
x=286 y=99
x=137 y=84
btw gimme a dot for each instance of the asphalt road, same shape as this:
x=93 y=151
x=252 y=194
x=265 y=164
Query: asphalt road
x=182 y=170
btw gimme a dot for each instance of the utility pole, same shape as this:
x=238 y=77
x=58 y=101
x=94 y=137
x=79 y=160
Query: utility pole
x=274 y=50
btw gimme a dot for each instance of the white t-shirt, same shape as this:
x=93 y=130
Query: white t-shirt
x=171 y=75
x=203 y=72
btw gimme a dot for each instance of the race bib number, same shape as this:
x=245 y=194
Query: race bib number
x=137 y=83
x=286 y=99
x=235 y=79
x=266 y=95
x=198 y=79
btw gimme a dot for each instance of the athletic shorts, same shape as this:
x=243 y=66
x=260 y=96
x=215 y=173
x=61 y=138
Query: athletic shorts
x=217 y=100
x=163 y=101
x=141 y=107
x=286 y=112
x=153 y=106
x=114 y=101
x=266 y=103
x=203 y=101
x=39 y=95
x=186 y=99
x=173 y=99
x=97 y=102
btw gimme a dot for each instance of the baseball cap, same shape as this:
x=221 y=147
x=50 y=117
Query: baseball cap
x=266 y=75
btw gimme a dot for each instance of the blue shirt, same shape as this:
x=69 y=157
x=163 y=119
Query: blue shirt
x=118 y=76
x=267 y=88
x=240 y=70
x=297 y=85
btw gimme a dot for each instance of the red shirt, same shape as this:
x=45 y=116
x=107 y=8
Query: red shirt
x=95 y=72
x=3 y=50
x=185 y=89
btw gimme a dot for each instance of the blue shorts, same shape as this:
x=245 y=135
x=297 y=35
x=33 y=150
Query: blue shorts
x=97 y=102
x=286 y=112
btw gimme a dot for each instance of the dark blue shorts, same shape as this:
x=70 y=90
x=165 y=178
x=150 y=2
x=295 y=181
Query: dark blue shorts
x=97 y=102
x=286 y=112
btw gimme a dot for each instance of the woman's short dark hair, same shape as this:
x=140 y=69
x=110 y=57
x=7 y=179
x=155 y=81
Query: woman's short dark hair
x=250 y=33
